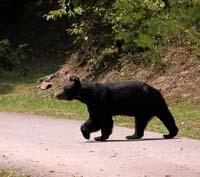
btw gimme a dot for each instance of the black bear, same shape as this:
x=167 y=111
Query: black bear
x=131 y=98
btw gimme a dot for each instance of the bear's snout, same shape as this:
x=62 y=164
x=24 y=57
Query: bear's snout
x=61 y=96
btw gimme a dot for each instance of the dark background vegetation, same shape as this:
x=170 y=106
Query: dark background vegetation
x=112 y=28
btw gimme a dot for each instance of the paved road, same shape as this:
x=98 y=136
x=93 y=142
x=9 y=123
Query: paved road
x=42 y=146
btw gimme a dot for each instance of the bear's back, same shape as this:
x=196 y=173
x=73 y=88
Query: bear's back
x=131 y=97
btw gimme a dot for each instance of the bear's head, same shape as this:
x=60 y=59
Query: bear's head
x=71 y=90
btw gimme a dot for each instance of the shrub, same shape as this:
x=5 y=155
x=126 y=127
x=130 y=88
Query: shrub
x=10 y=56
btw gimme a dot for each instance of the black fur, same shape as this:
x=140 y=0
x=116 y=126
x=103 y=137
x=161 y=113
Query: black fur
x=127 y=98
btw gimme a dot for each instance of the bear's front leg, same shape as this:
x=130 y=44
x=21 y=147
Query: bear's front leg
x=106 y=130
x=101 y=138
x=88 y=127
x=104 y=135
x=85 y=131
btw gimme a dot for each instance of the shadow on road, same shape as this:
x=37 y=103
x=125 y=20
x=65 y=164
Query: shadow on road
x=134 y=140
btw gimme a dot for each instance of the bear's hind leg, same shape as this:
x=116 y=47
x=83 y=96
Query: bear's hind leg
x=169 y=122
x=140 y=125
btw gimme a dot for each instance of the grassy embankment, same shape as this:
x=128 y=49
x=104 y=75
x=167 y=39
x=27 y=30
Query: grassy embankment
x=19 y=94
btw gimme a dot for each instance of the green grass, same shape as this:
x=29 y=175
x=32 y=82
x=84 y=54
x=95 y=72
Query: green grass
x=22 y=96
x=5 y=173
x=25 y=99
x=187 y=119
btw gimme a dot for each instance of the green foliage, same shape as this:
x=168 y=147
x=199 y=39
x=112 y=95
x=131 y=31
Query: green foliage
x=10 y=56
x=144 y=26
x=88 y=25
x=54 y=14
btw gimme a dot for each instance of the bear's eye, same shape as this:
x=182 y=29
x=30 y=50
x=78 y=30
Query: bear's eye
x=68 y=88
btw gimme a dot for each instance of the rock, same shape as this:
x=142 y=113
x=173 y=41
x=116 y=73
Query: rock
x=49 y=77
x=52 y=171
x=45 y=85
x=40 y=80
x=161 y=79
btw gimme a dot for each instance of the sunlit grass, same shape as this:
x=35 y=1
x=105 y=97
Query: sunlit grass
x=187 y=119
x=6 y=173
x=25 y=99
x=29 y=101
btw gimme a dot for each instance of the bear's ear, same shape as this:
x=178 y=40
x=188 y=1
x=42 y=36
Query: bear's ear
x=74 y=79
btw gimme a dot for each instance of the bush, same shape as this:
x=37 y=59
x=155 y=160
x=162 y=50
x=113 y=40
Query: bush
x=10 y=56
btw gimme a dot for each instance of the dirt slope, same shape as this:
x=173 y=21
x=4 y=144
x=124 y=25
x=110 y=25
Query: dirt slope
x=50 y=147
x=177 y=75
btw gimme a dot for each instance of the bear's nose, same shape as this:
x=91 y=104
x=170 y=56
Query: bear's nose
x=60 y=96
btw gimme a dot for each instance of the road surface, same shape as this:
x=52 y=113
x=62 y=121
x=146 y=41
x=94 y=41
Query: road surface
x=43 y=146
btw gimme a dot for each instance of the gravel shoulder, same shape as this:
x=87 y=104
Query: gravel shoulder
x=43 y=146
